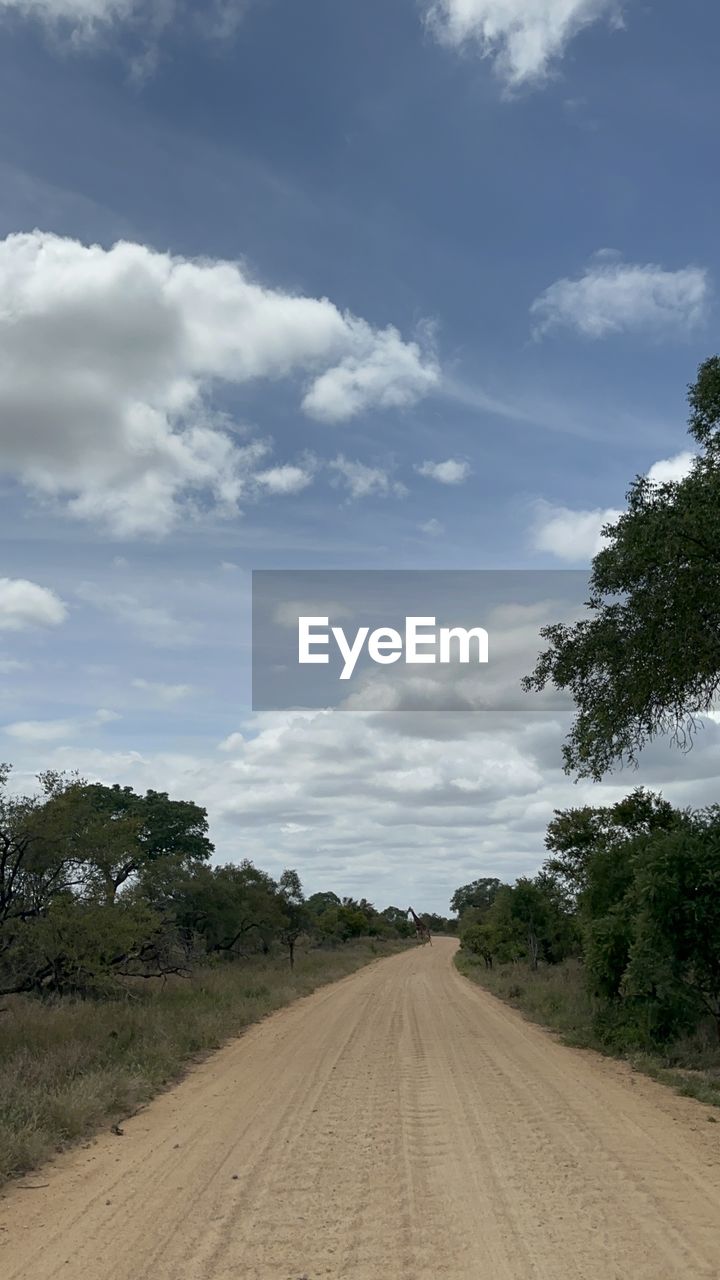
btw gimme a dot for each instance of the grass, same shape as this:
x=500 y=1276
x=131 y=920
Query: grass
x=555 y=996
x=69 y=1066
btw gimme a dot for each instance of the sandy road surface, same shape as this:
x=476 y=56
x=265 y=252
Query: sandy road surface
x=400 y=1124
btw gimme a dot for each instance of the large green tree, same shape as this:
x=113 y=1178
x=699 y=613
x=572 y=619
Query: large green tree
x=575 y=837
x=674 y=960
x=123 y=837
x=65 y=851
x=479 y=895
x=646 y=661
x=227 y=907
x=38 y=856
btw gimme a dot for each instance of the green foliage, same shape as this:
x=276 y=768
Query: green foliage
x=100 y=885
x=122 y=837
x=230 y=908
x=647 y=660
x=633 y=889
x=674 y=960
x=529 y=920
x=478 y=896
x=557 y=996
x=396 y=920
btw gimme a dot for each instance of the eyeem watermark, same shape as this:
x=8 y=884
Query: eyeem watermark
x=404 y=640
x=421 y=643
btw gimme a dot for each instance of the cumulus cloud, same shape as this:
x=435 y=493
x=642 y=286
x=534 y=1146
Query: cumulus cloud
x=364 y=806
x=671 y=469
x=165 y=694
x=432 y=527
x=452 y=471
x=286 y=479
x=154 y=624
x=612 y=296
x=88 y=20
x=522 y=38
x=80 y=15
x=389 y=806
x=383 y=804
x=131 y=343
x=25 y=604
x=384 y=371
x=573 y=536
x=362 y=481
x=49 y=731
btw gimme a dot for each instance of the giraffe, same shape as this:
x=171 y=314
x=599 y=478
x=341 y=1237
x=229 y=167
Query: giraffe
x=421 y=930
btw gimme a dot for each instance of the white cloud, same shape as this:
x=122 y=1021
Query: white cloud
x=452 y=471
x=7 y=665
x=671 y=469
x=574 y=536
x=617 y=297
x=165 y=694
x=131 y=343
x=381 y=805
x=154 y=624
x=388 y=807
x=50 y=731
x=433 y=528
x=82 y=16
x=38 y=731
x=384 y=371
x=87 y=20
x=523 y=38
x=362 y=481
x=25 y=604
x=286 y=479
x=571 y=535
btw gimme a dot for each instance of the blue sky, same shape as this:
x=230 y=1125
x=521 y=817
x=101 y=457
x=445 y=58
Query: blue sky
x=470 y=267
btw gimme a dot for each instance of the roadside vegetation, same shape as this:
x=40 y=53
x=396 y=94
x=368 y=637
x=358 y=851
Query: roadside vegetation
x=124 y=953
x=557 y=997
x=69 y=1065
x=616 y=942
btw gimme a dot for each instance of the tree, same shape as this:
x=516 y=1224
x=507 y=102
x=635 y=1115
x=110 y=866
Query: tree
x=439 y=924
x=481 y=941
x=647 y=660
x=64 y=853
x=37 y=858
x=575 y=836
x=122 y=836
x=226 y=906
x=86 y=948
x=397 y=920
x=294 y=909
x=529 y=921
x=674 y=960
x=319 y=903
x=479 y=894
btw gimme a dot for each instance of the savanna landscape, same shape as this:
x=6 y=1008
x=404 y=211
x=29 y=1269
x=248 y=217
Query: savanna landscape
x=359 y=640
x=396 y=1115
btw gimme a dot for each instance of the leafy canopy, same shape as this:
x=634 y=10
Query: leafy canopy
x=646 y=661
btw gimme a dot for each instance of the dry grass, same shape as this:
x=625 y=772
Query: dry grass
x=555 y=996
x=69 y=1066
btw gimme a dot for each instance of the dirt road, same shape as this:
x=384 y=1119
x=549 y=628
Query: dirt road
x=400 y=1124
